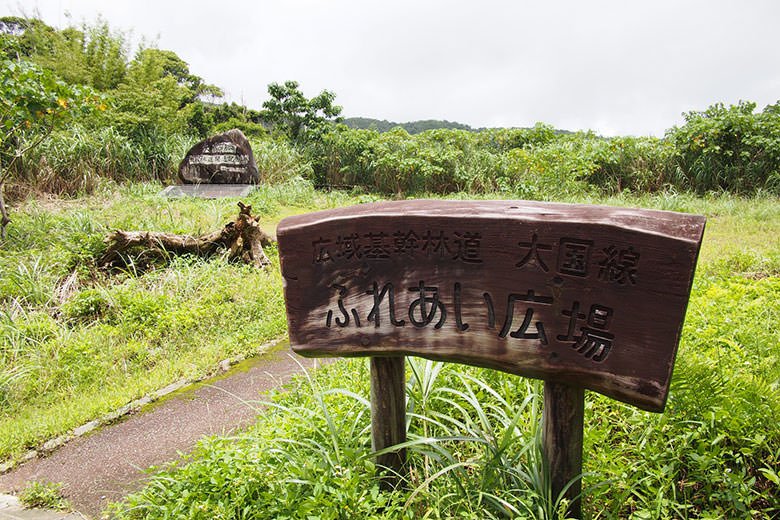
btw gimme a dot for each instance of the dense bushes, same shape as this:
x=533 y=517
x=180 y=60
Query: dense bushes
x=527 y=161
x=721 y=149
x=435 y=161
x=729 y=148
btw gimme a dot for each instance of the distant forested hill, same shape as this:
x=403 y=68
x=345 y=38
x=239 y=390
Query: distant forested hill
x=413 y=127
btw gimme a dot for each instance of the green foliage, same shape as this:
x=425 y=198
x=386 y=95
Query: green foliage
x=32 y=102
x=539 y=162
x=160 y=63
x=527 y=162
x=94 y=56
x=46 y=495
x=88 y=305
x=105 y=54
x=637 y=164
x=250 y=129
x=295 y=116
x=312 y=455
x=148 y=103
x=279 y=162
x=730 y=148
x=155 y=98
x=709 y=454
x=25 y=37
x=77 y=158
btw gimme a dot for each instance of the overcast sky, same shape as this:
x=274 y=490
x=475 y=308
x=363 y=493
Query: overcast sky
x=616 y=67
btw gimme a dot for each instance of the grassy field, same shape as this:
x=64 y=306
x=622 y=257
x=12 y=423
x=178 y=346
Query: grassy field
x=77 y=342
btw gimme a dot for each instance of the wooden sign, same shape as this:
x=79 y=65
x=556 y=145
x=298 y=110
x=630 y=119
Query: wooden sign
x=580 y=294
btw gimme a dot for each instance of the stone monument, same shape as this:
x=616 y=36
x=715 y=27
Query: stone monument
x=221 y=159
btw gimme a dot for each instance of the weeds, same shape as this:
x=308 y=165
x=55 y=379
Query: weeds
x=46 y=495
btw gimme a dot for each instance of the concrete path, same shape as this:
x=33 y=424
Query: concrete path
x=106 y=465
x=11 y=509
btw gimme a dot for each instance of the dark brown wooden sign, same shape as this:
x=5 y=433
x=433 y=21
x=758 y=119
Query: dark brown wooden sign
x=586 y=295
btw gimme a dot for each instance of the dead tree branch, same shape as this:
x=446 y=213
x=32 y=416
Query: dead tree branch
x=242 y=239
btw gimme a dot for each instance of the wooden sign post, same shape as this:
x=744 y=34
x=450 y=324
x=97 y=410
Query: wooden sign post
x=583 y=297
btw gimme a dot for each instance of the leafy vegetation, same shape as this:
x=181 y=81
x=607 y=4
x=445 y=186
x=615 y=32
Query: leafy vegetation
x=46 y=495
x=32 y=103
x=155 y=107
x=730 y=148
x=296 y=117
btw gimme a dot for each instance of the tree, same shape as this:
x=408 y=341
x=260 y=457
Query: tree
x=94 y=55
x=106 y=55
x=167 y=63
x=159 y=96
x=32 y=103
x=293 y=115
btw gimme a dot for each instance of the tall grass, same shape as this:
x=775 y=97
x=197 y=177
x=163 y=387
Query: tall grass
x=472 y=454
x=74 y=160
x=77 y=159
x=279 y=162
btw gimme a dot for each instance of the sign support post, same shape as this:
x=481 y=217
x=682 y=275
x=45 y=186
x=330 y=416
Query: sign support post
x=388 y=417
x=563 y=416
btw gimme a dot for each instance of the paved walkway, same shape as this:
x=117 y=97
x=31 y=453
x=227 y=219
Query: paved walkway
x=11 y=509
x=106 y=465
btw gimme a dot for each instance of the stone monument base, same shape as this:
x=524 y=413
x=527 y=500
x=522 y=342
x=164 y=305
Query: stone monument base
x=207 y=191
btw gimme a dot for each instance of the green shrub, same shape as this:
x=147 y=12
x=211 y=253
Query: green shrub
x=47 y=495
x=638 y=164
x=249 y=129
x=89 y=304
x=448 y=161
x=729 y=148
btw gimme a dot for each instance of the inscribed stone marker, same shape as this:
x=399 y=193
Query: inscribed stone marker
x=584 y=295
x=221 y=159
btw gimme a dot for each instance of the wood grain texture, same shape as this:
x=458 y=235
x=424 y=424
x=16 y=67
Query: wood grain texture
x=563 y=416
x=587 y=295
x=388 y=417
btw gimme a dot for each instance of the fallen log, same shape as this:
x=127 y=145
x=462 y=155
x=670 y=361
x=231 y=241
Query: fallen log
x=242 y=239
